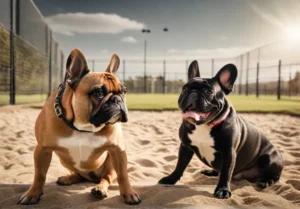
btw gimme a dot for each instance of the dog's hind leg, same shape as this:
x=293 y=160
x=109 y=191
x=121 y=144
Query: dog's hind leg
x=70 y=179
x=271 y=166
x=73 y=178
x=108 y=175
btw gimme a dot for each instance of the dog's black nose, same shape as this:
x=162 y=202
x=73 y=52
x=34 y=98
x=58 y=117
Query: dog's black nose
x=116 y=99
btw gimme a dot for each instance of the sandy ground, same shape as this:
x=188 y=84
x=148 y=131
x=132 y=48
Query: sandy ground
x=152 y=152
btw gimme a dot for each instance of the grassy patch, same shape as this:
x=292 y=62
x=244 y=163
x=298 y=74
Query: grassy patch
x=23 y=99
x=152 y=101
x=266 y=104
x=160 y=102
x=241 y=103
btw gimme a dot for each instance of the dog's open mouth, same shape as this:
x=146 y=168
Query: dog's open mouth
x=192 y=113
x=197 y=116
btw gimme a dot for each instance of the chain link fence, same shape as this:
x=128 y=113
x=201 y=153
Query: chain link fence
x=30 y=59
x=273 y=69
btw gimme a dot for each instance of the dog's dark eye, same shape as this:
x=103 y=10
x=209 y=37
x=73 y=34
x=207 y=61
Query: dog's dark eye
x=98 y=94
x=184 y=89
x=209 y=91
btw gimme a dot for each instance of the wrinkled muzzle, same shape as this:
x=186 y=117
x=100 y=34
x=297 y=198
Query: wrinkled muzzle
x=194 y=101
x=195 y=107
x=111 y=111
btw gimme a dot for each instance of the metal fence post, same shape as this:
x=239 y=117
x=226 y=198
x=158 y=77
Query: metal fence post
x=279 y=80
x=247 y=74
x=145 y=71
x=124 y=72
x=212 y=67
x=17 y=16
x=164 y=76
x=12 y=57
x=241 y=75
x=50 y=64
x=257 y=80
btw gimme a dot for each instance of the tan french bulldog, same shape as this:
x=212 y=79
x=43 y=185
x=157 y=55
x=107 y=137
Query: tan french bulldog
x=81 y=123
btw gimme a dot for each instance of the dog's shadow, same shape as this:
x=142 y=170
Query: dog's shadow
x=79 y=196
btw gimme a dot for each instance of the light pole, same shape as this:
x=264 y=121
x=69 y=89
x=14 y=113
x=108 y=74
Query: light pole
x=145 y=61
x=164 y=68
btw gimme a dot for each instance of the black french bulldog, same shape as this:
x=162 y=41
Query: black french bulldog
x=221 y=139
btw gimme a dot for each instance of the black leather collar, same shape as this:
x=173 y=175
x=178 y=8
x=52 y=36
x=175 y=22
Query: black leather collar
x=59 y=110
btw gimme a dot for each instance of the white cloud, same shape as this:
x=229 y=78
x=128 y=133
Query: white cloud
x=209 y=53
x=71 y=23
x=129 y=39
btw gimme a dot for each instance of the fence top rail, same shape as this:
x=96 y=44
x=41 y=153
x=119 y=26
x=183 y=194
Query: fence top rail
x=168 y=61
x=149 y=60
x=282 y=65
x=39 y=12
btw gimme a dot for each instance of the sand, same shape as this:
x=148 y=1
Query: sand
x=152 y=153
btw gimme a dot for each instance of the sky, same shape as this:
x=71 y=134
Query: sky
x=197 y=28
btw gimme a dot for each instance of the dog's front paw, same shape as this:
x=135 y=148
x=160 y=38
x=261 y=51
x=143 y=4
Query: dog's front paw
x=222 y=193
x=99 y=193
x=131 y=198
x=168 y=180
x=30 y=198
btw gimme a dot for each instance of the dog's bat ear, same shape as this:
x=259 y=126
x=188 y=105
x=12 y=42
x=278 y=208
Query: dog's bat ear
x=193 y=70
x=76 y=68
x=226 y=77
x=113 y=64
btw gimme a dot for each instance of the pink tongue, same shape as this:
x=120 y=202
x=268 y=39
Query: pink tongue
x=191 y=115
x=195 y=115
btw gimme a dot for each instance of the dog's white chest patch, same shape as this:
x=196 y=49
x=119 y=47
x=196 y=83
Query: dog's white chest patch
x=202 y=139
x=81 y=146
